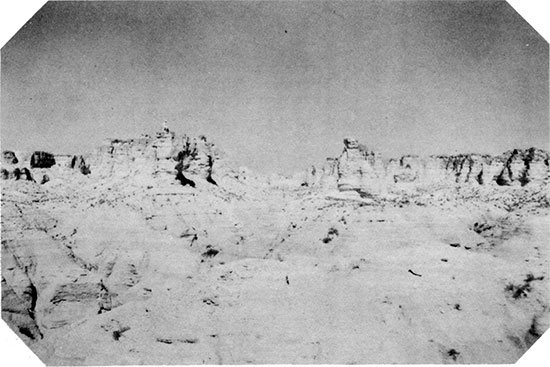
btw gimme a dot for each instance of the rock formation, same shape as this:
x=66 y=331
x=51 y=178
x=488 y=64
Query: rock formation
x=22 y=174
x=184 y=180
x=367 y=173
x=18 y=311
x=164 y=154
x=8 y=157
x=77 y=162
x=41 y=159
x=196 y=157
x=164 y=144
x=523 y=166
x=359 y=169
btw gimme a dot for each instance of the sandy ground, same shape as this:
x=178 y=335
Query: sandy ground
x=131 y=273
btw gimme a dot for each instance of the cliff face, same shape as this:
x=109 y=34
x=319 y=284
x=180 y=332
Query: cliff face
x=358 y=169
x=191 y=160
x=196 y=156
x=364 y=171
x=164 y=154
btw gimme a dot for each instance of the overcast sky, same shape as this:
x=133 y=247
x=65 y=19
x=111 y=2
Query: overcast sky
x=278 y=85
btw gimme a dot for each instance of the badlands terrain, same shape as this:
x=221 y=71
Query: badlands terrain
x=155 y=250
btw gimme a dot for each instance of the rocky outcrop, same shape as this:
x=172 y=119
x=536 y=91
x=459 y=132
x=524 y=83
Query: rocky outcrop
x=359 y=170
x=518 y=167
x=18 y=311
x=77 y=162
x=10 y=170
x=364 y=171
x=406 y=169
x=19 y=293
x=123 y=151
x=196 y=157
x=16 y=174
x=164 y=144
x=524 y=166
x=184 y=180
x=22 y=174
x=8 y=157
x=42 y=160
x=192 y=156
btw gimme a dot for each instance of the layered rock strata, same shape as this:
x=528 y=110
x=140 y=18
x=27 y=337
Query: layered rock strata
x=366 y=172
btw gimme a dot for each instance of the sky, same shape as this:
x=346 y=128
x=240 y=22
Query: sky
x=278 y=85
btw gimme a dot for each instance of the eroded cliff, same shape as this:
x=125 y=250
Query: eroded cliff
x=364 y=171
